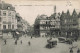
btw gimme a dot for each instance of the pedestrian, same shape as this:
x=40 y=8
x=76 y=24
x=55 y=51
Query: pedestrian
x=5 y=41
x=71 y=42
x=25 y=36
x=78 y=51
x=29 y=43
x=71 y=51
x=31 y=37
x=21 y=41
x=16 y=42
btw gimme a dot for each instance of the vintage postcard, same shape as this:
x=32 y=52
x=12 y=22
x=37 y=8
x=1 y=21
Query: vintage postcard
x=39 y=26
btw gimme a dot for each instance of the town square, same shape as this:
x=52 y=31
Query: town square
x=29 y=27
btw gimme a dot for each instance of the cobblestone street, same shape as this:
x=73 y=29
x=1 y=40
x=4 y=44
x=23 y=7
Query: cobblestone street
x=37 y=46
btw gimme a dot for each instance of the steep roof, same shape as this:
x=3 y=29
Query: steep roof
x=4 y=6
x=43 y=17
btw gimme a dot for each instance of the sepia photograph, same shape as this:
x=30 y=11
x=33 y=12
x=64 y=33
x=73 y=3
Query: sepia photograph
x=39 y=26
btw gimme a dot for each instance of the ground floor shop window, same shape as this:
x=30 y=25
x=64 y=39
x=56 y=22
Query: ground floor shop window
x=4 y=26
x=9 y=26
x=0 y=26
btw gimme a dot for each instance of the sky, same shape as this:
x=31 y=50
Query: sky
x=29 y=10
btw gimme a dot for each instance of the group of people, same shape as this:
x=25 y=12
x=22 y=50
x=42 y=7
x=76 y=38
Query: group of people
x=5 y=41
x=71 y=50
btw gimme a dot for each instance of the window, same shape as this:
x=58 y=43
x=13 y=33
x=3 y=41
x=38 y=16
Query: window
x=12 y=26
x=53 y=25
x=46 y=22
x=0 y=12
x=65 y=21
x=4 y=13
x=74 y=24
x=0 y=19
x=41 y=22
x=0 y=26
x=46 y=17
x=4 y=26
x=9 y=26
x=9 y=13
x=4 y=22
x=9 y=19
x=13 y=16
x=8 y=7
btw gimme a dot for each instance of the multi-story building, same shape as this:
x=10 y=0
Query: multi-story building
x=64 y=24
x=7 y=17
x=79 y=23
x=8 y=21
x=25 y=25
x=55 y=24
x=22 y=25
x=69 y=24
x=19 y=22
x=47 y=26
x=36 y=26
x=42 y=25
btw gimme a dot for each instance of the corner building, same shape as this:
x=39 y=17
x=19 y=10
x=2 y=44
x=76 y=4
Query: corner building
x=8 y=19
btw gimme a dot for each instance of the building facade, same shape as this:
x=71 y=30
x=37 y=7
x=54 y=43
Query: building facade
x=48 y=26
x=24 y=25
x=58 y=24
x=36 y=26
x=19 y=22
x=44 y=25
x=8 y=19
x=69 y=24
x=55 y=24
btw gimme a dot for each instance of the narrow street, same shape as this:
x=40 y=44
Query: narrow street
x=37 y=46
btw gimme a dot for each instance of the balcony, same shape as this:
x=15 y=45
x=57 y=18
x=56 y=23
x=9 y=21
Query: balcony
x=19 y=23
x=45 y=24
x=4 y=22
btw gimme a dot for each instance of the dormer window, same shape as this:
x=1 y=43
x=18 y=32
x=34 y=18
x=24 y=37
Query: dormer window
x=8 y=7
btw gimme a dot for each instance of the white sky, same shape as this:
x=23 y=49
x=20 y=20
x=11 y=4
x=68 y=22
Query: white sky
x=29 y=11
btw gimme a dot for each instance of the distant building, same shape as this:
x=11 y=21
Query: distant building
x=25 y=25
x=36 y=26
x=47 y=26
x=19 y=22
